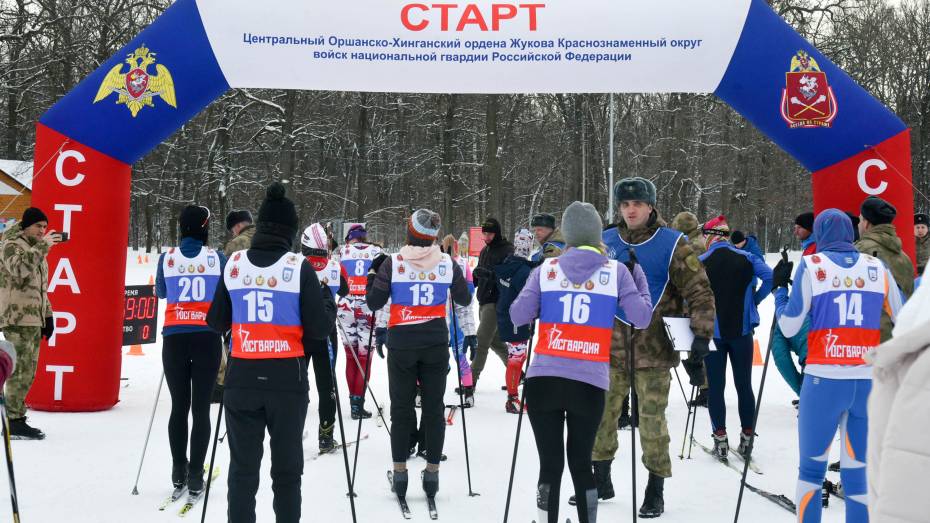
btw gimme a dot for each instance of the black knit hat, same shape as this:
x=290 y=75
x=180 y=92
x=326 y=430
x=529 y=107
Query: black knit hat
x=491 y=225
x=921 y=218
x=236 y=217
x=737 y=237
x=195 y=222
x=32 y=216
x=805 y=220
x=277 y=215
x=877 y=211
x=543 y=220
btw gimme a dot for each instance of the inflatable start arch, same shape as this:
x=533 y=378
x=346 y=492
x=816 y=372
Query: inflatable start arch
x=738 y=49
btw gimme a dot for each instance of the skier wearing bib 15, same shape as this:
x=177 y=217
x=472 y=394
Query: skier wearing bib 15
x=417 y=281
x=187 y=278
x=314 y=245
x=272 y=302
x=354 y=314
x=575 y=297
x=844 y=293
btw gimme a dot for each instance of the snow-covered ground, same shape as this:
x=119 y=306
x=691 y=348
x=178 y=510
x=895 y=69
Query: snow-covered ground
x=85 y=469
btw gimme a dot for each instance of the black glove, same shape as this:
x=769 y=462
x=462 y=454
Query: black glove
x=380 y=340
x=376 y=263
x=49 y=328
x=482 y=273
x=632 y=261
x=700 y=348
x=694 y=364
x=470 y=342
x=781 y=274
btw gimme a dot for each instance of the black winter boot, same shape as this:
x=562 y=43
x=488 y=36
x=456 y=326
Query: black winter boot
x=605 y=487
x=19 y=429
x=325 y=436
x=654 y=500
x=195 y=483
x=358 y=407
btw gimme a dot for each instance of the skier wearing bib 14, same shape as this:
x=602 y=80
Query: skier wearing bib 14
x=844 y=293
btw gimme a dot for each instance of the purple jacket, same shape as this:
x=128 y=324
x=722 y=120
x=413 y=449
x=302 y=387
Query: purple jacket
x=579 y=265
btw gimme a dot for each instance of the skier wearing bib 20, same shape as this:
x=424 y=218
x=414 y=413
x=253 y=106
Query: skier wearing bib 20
x=844 y=293
x=314 y=245
x=575 y=297
x=354 y=314
x=272 y=302
x=187 y=278
x=676 y=278
x=417 y=281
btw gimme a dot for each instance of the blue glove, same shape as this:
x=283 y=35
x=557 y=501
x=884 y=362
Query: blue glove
x=470 y=342
x=380 y=340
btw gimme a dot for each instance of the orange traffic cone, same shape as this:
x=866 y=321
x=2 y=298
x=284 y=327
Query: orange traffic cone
x=135 y=350
x=139 y=260
x=146 y=258
x=756 y=354
x=151 y=280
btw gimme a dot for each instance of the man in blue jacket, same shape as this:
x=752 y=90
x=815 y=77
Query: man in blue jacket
x=511 y=277
x=733 y=275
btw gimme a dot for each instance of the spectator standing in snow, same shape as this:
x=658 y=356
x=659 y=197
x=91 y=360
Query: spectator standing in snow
x=548 y=237
x=496 y=249
x=25 y=310
x=804 y=232
x=922 y=237
x=511 y=277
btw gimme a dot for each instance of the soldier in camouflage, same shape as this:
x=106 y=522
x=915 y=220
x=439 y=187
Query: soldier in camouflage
x=676 y=278
x=25 y=311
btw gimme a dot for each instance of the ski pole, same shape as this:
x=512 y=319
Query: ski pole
x=365 y=379
x=516 y=443
x=455 y=351
x=14 y=498
x=633 y=406
x=691 y=439
x=358 y=435
x=682 y=387
x=342 y=432
x=684 y=438
x=135 y=488
x=755 y=419
x=216 y=434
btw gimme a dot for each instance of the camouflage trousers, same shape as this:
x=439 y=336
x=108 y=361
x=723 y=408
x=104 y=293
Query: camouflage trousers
x=26 y=341
x=652 y=388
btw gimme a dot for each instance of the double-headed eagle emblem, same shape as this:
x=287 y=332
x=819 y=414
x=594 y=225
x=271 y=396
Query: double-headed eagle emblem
x=137 y=88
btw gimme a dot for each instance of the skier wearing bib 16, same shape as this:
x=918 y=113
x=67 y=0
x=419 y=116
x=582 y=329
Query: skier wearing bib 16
x=354 y=314
x=575 y=297
x=314 y=245
x=271 y=301
x=844 y=293
x=187 y=278
x=417 y=281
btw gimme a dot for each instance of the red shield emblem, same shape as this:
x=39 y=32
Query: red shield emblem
x=821 y=275
x=808 y=100
x=137 y=82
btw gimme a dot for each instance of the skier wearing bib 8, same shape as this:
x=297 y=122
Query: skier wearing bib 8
x=575 y=297
x=844 y=294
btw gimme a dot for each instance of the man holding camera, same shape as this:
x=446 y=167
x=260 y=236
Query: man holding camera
x=25 y=311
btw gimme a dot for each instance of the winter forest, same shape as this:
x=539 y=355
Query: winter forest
x=374 y=157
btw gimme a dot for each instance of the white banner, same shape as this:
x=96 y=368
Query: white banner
x=479 y=47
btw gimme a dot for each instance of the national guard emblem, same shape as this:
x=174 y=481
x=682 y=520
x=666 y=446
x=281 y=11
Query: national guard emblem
x=551 y=275
x=808 y=101
x=181 y=269
x=273 y=282
x=137 y=88
x=442 y=270
x=287 y=274
x=211 y=261
x=413 y=275
x=422 y=275
x=191 y=268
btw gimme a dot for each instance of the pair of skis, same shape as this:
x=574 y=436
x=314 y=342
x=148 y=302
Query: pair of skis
x=335 y=448
x=192 y=500
x=405 y=508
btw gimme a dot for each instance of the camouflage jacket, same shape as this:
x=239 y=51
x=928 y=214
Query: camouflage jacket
x=23 y=280
x=883 y=242
x=687 y=223
x=241 y=242
x=923 y=251
x=554 y=245
x=687 y=293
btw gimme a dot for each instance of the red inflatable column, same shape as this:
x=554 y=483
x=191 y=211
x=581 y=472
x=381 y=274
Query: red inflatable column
x=86 y=194
x=883 y=170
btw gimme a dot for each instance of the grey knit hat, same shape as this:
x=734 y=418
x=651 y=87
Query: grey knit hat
x=635 y=189
x=581 y=225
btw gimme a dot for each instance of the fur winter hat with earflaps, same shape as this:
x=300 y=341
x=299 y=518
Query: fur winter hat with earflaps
x=635 y=189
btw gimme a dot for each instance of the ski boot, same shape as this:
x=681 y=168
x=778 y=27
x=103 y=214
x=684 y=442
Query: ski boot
x=721 y=445
x=325 y=435
x=605 y=487
x=430 y=482
x=469 y=397
x=654 y=501
x=542 y=501
x=20 y=430
x=701 y=399
x=513 y=405
x=834 y=467
x=179 y=474
x=358 y=407
x=743 y=449
x=399 y=485
x=195 y=483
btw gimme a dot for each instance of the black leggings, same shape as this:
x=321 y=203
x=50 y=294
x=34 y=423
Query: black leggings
x=191 y=361
x=550 y=402
x=324 y=386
